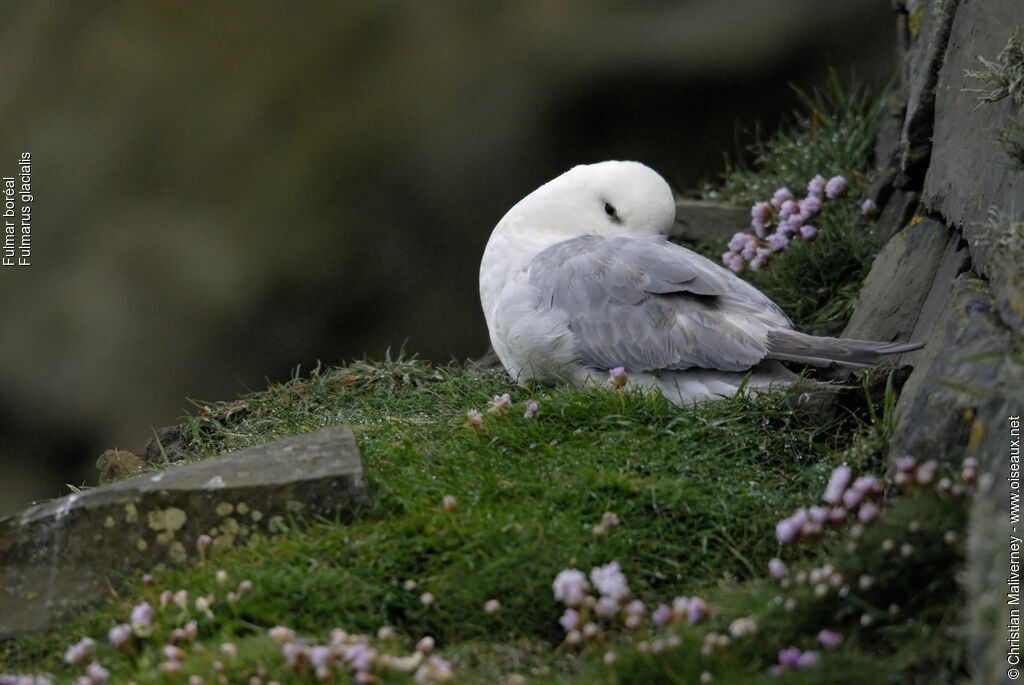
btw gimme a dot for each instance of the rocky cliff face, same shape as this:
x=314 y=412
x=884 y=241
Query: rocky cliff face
x=951 y=275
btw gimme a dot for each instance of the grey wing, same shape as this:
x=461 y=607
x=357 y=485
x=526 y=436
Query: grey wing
x=646 y=304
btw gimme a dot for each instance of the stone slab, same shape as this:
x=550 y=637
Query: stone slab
x=64 y=555
x=970 y=173
x=963 y=375
x=929 y=27
x=911 y=272
x=703 y=221
x=988 y=549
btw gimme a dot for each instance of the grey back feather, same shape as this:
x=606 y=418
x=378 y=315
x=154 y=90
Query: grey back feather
x=647 y=304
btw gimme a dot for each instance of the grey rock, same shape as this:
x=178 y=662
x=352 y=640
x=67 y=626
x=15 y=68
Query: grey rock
x=918 y=263
x=702 y=221
x=929 y=26
x=962 y=378
x=899 y=208
x=969 y=173
x=955 y=404
x=117 y=464
x=167 y=445
x=1006 y=268
x=988 y=549
x=62 y=556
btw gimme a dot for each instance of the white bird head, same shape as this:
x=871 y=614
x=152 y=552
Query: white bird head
x=606 y=198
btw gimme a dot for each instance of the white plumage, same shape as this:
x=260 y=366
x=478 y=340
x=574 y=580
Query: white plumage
x=578 y=278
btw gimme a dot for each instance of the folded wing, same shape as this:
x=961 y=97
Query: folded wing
x=647 y=304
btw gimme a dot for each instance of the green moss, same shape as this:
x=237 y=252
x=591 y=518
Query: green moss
x=915 y=19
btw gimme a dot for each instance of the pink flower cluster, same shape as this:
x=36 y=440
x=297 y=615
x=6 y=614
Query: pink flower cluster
x=792 y=658
x=780 y=220
x=500 y=405
x=911 y=473
x=356 y=654
x=844 y=497
x=587 y=617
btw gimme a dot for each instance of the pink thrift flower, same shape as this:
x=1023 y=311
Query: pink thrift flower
x=606 y=607
x=570 y=620
x=816 y=186
x=610 y=581
x=761 y=211
x=926 y=472
x=868 y=207
x=809 y=233
x=867 y=512
x=320 y=655
x=281 y=635
x=172 y=653
x=96 y=673
x=142 y=614
x=81 y=651
x=761 y=258
x=760 y=227
x=786 y=530
x=788 y=209
x=500 y=404
x=531 y=409
x=663 y=615
x=618 y=377
x=789 y=657
x=808 y=658
x=760 y=218
x=732 y=261
x=749 y=248
x=810 y=206
x=737 y=241
x=905 y=463
x=777 y=569
x=203 y=541
x=837 y=484
x=851 y=498
x=780 y=196
x=474 y=420
x=449 y=504
x=570 y=587
x=696 y=610
x=743 y=627
x=867 y=485
x=836 y=187
x=790 y=227
x=837 y=514
x=817 y=514
x=119 y=635
x=777 y=242
x=829 y=639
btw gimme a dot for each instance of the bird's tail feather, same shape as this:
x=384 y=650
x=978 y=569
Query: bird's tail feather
x=793 y=346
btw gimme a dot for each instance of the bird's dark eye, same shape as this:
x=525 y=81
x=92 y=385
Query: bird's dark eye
x=609 y=210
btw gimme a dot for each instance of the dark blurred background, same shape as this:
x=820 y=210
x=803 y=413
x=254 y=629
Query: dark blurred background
x=224 y=191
